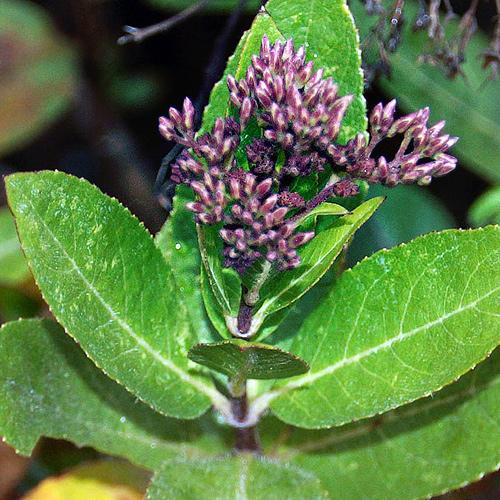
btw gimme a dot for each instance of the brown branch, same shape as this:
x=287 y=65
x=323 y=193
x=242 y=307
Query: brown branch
x=137 y=35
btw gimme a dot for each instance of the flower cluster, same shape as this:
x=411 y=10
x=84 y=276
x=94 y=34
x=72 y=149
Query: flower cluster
x=300 y=115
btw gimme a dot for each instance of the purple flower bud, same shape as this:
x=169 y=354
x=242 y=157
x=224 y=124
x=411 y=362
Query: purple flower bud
x=254 y=205
x=402 y=124
x=376 y=115
x=227 y=235
x=235 y=99
x=265 y=48
x=435 y=129
x=288 y=50
x=204 y=219
x=258 y=64
x=311 y=95
x=271 y=256
x=300 y=55
x=263 y=187
x=268 y=204
x=383 y=168
x=268 y=220
x=286 y=230
x=263 y=96
x=271 y=135
x=316 y=78
x=279 y=89
x=251 y=78
x=241 y=245
x=232 y=84
x=243 y=88
x=239 y=233
x=282 y=245
x=305 y=73
x=301 y=239
x=258 y=227
x=279 y=214
x=387 y=118
x=424 y=181
x=249 y=187
x=195 y=207
x=166 y=128
x=188 y=112
x=175 y=117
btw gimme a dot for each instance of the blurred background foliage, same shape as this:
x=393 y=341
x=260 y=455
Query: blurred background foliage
x=73 y=99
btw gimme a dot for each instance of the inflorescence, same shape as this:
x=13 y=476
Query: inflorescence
x=299 y=114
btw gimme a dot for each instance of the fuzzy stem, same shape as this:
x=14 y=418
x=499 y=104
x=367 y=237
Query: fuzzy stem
x=246 y=438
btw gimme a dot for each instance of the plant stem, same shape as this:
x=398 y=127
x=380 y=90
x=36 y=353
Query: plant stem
x=246 y=438
x=139 y=34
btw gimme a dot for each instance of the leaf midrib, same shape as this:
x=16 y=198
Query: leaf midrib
x=311 y=377
x=216 y=397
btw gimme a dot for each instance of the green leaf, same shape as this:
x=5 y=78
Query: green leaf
x=109 y=286
x=225 y=282
x=13 y=266
x=178 y=243
x=38 y=70
x=214 y=6
x=14 y=305
x=431 y=446
x=48 y=387
x=234 y=478
x=486 y=209
x=245 y=360
x=323 y=209
x=469 y=105
x=407 y=212
x=317 y=256
x=398 y=326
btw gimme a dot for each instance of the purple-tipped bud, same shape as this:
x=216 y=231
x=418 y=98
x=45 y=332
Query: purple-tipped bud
x=265 y=48
x=268 y=204
x=435 y=129
x=402 y=124
x=388 y=114
x=424 y=181
x=234 y=189
x=282 y=245
x=239 y=233
x=227 y=235
x=236 y=210
x=271 y=256
x=286 y=230
x=263 y=187
x=383 y=168
x=279 y=214
x=288 y=50
x=166 y=128
x=175 y=117
x=232 y=84
x=305 y=73
x=316 y=78
x=247 y=217
x=301 y=239
x=246 y=110
x=279 y=89
x=251 y=78
x=195 y=207
x=300 y=55
x=271 y=135
x=235 y=99
x=204 y=219
x=241 y=245
x=268 y=220
x=254 y=205
x=263 y=96
x=258 y=64
x=311 y=95
x=249 y=185
x=376 y=115
x=188 y=112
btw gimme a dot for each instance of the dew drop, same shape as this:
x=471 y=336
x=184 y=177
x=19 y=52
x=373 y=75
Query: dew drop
x=123 y=420
x=177 y=246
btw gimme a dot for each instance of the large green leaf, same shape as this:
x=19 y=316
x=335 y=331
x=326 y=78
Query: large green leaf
x=407 y=212
x=423 y=449
x=38 y=71
x=109 y=286
x=317 y=257
x=243 y=360
x=13 y=267
x=48 y=387
x=179 y=245
x=242 y=477
x=398 y=326
x=469 y=105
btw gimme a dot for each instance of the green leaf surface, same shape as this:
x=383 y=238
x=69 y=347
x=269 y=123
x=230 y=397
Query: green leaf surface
x=109 y=286
x=323 y=209
x=225 y=282
x=14 y=304
x=242 y=477
x=398 y=326
x=469 y=105
x=213 y=7
x=407 y=212
x=48 y=387
x=431 y=446
x=245 y=360
x=178 y=243
x=38 y=69
x=317 y=256
x=486 y=209
x=13 y=267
